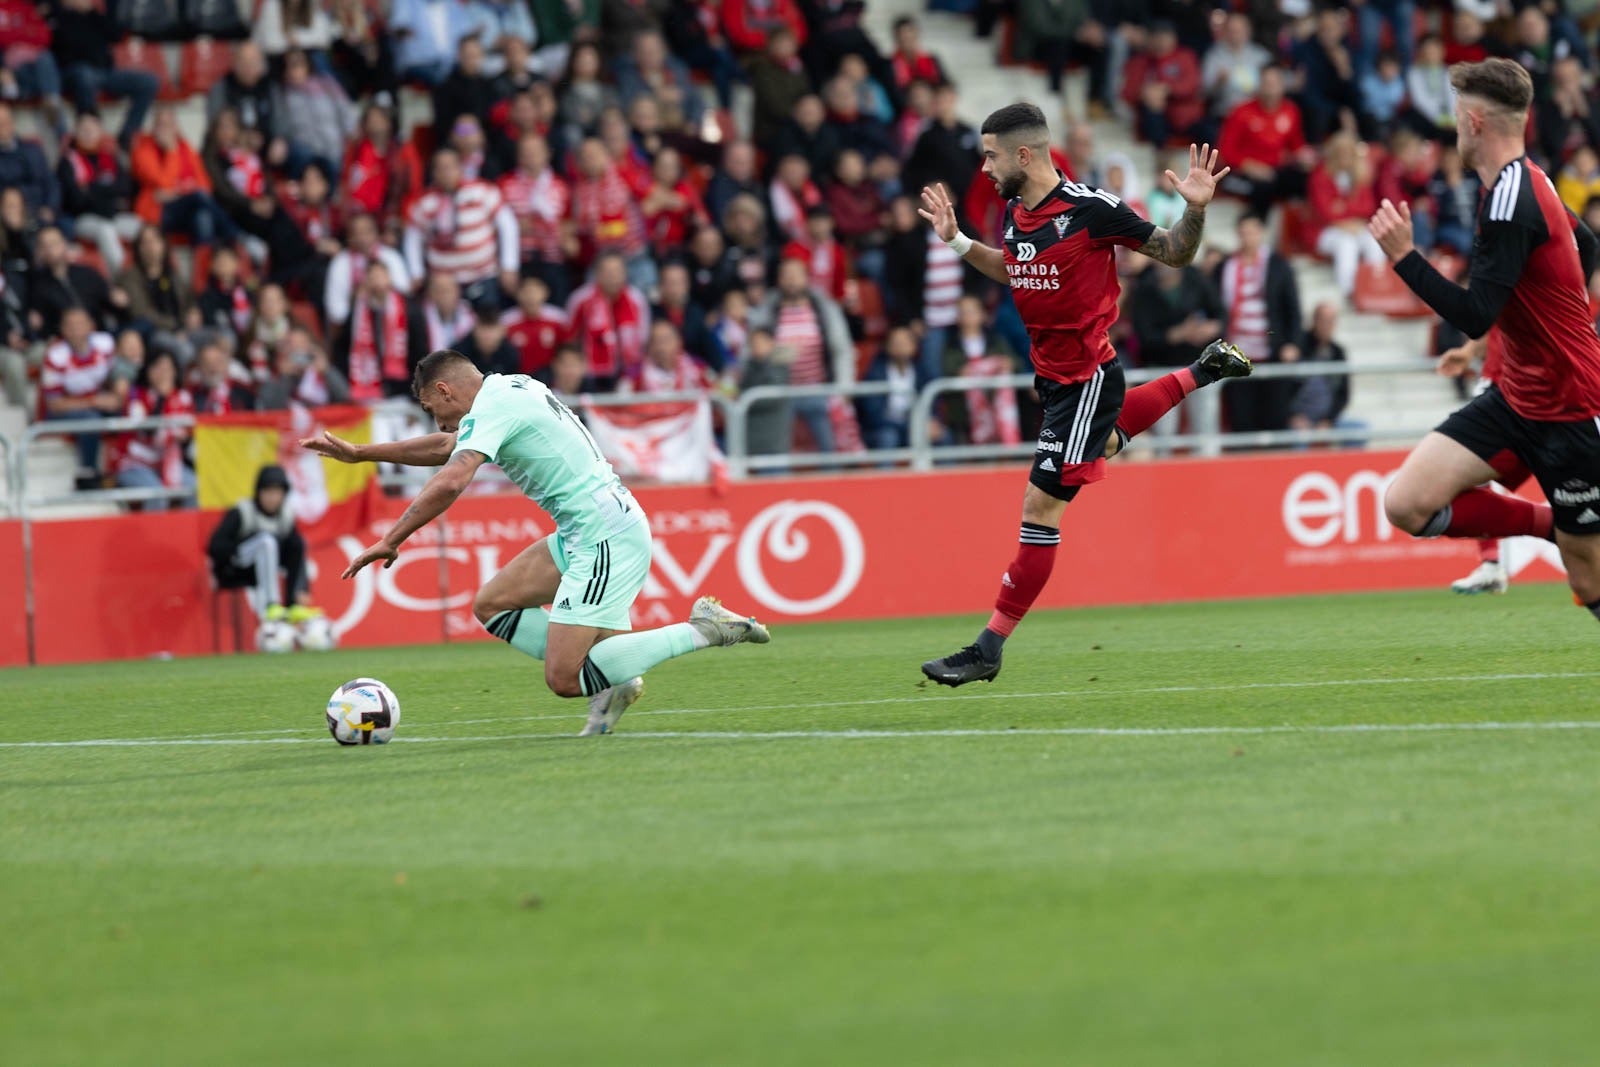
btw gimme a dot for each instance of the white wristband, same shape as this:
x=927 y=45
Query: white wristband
x=960 y=244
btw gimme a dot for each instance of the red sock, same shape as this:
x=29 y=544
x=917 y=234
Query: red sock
x=1025 y=577
x=1489 y=550
x=1483 y=513
x=1146 y=403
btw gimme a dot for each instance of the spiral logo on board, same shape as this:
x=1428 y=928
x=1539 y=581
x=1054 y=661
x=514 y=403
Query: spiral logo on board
x=775 y=533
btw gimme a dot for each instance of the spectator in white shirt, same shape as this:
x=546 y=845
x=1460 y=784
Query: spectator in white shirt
x=362 y=248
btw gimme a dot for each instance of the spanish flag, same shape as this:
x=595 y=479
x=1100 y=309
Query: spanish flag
x=329 y=498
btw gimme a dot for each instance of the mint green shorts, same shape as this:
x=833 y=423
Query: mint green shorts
x=600 y=582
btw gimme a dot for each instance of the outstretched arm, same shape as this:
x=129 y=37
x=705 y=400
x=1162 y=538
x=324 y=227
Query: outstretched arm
x=1177 y=246
x=436 y=497
x=941 y=214
x=429 y=450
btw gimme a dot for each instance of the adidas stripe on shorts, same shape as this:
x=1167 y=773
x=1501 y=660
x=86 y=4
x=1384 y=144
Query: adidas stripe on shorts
x=600 y=582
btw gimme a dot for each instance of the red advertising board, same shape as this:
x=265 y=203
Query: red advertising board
x=13 y=618
x=850 y=547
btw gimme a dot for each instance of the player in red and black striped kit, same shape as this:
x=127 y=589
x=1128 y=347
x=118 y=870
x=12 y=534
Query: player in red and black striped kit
x=1528 y=290
x=1058 y=256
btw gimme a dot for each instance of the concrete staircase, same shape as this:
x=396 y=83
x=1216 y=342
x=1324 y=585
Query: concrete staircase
x=1395 y=407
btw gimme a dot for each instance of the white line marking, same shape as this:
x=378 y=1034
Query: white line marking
x=929 y=697
x=859 y=735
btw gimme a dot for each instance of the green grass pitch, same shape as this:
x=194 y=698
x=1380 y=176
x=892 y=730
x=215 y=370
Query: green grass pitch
x=1343 y=831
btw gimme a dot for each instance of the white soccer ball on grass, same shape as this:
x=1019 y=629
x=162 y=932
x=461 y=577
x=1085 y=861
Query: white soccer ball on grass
x=363 y=712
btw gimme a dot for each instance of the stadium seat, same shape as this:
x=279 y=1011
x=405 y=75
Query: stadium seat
x=306 y=314
x=202 y=63
x=135 y=53
x=1379 y=291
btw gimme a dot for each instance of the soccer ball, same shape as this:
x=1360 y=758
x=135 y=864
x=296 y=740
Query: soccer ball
x=316 y=634
x=275 y=636
x=363 y=712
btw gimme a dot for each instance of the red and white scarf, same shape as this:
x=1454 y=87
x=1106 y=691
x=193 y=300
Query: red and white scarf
x=369 y=368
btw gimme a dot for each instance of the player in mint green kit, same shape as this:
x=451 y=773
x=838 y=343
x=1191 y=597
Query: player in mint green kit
x=589 y=571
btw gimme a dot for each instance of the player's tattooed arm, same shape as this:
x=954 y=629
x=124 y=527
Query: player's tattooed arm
x=436 y=497
x=1176 y=247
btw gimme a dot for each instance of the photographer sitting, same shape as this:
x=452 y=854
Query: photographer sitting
x=256 y=544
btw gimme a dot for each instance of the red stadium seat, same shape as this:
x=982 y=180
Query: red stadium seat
x=202 y=63
x=305 y=313
x=1379 y=291
x=138 y=54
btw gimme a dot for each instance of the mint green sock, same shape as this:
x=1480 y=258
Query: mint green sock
x=629 y=655
x=523 y=629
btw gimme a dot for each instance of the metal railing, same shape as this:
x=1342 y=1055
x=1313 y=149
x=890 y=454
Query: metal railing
x=13 y=477
x=1205 y=403
x=920 y=453
x=98 y=427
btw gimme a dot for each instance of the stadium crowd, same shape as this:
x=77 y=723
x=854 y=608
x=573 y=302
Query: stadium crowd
x=579 y=202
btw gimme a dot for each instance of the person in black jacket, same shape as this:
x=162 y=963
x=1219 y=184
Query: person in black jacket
x=56 y=284
x=946 y=150
x=1317 y=403
x=487 y=346
x=467 y=91
x=81 y=40
x=248 y=91
x=1262 y=301
x=97 y=191
x=257 y=547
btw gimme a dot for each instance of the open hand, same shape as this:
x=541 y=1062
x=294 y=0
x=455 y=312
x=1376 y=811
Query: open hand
x=332 y=447
x=1200 y=184
x=1391 y=228
x=381 y=550
x=939 y=211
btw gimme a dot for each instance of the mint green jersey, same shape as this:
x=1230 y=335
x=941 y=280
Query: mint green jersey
x=547 y=453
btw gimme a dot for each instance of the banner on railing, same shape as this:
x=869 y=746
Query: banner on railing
x=791 y=550
x=330 y=498
x=662 y=442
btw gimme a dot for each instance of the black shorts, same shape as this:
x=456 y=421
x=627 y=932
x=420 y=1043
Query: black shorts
x=1564 y=456
x=1078 y=420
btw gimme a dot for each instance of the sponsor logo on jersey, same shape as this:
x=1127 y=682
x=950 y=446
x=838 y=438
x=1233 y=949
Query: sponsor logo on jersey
x=1588 y=515
x=1047 y=434
x=565 y=605
x=1026 y=250
x=1578 y=494
x=1048 y=465
x=1048 y=446
x=1011 y=232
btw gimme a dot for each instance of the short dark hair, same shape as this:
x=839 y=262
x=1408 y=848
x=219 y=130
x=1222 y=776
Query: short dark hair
x=1017 y=120
x=1499 y=81
x=436 y=366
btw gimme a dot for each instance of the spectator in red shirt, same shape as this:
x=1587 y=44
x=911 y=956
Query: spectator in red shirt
x=1466 y=39
x=535 y=327
x=606 y=213
x=747 y=23
x=1163 y=84
x=672 y=208
x=610 y=319
x=541 y=200
x=75 y=383
x=859 y=212
x=1404 y=175
x=1341 y=197
x=822 y=254
x=155 y=459
x=910 y=62
x=1264 y=142
x=382 y=174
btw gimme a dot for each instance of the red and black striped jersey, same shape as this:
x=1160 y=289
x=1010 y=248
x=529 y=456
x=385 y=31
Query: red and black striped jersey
x=1061 y=262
